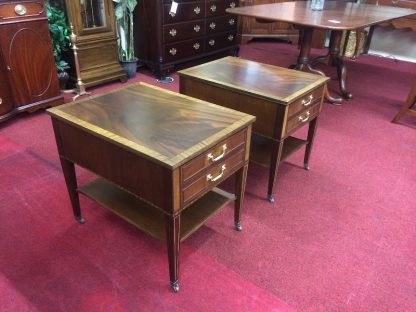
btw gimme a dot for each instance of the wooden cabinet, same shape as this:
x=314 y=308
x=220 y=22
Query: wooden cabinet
x=252 y=28
x=28 y=79
x=196 y=30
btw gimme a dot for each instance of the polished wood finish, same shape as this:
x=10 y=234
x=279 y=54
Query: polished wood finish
x=28 y=79
x=407 y=108
x=406 y=22
x=97 y=46
x=282 y=100
x=161 y=156
x=196 y=32
x=252 y=28
x=336 y=16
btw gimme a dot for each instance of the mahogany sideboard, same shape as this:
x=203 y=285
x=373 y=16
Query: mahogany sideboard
x=28 y=79
x=283 y=100
x=195 y=31
x=160 y=156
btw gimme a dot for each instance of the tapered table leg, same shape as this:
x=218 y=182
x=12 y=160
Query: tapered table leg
x=173 y=242
x=68 y=169
x=311 y=135
x=274 y=166
x=240 y=185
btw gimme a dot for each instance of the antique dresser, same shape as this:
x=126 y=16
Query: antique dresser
x=167 y=35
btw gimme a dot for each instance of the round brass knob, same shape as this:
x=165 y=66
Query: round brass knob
x=20 y=9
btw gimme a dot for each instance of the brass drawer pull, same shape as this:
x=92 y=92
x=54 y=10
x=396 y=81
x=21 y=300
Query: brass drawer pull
x=224 y=148
x=197 y=28
x=211 y=42
x=173 y=32
x=197 y=10
x=309 y=102
x=230 y=37
x=304 y=118
x=231 y=21
x=173 y=51
x=212 y=25
x=232 y=5
x=212 y=179
x=213 y=8
x=172 y=14
x=20 y=9
x=196 y=46
x=1 y=101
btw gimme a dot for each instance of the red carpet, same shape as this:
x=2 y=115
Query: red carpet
x=341 y=237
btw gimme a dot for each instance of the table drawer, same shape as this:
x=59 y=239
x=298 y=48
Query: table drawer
x=220 y=41
x=183 y=49
x=182 y=31
x=21 y=10
x=302 y=118
x=214 y=175
x=308 y=100
x=218 y=7
x=185 y=12
x=221 y=24
x=213 y=156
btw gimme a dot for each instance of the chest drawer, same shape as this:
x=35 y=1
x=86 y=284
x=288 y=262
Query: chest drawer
x=185 y=11
x=182 y=31
x=183 y=49
x=220 y=41
x=302 y=117
x=218 y=7
x=308 y=100
x=214 y=175
x=21 y=10
x=212 y=156
x=220 y=24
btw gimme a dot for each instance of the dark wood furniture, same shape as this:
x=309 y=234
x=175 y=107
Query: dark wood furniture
x=160 y=155
x=28 y=79
x=283 y=100
x=251 y=28
x=337 y=16
x=94 y=26
x=197 y=31
x=407 y=108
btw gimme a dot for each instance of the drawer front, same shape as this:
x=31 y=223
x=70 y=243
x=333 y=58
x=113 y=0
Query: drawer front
x=308 y=100
x=302 y=118
x=218 y=7
x=183 y=49
x=214 y=175
x=212 y=156
x=182 y=31
x=221 y=24
x=220 y=41
x=185 y=11
x=21 y=10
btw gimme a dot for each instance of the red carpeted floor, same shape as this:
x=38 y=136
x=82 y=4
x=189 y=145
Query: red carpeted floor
x=340 y=237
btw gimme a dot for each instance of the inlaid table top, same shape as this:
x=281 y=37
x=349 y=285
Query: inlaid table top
x=335 y=15
x=160 y=125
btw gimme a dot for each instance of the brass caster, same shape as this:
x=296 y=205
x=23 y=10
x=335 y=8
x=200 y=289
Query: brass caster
x=306 y=166
x=80 y=219
x=238 y=226
x=270 y=198
x=175 y=286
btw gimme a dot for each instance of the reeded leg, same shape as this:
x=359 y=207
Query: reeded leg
x=68 y=169
x=274 y=166
x=311 y=135
x=240 y=186
x=173 y=242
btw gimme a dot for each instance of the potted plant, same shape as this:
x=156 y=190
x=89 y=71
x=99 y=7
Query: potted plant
x=59 y=31
x=124 y=22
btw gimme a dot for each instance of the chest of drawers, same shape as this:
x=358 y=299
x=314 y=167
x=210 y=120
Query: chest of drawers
x=194 y=31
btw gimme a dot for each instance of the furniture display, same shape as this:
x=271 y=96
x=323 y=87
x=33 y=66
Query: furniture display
x=194 y=31
x=28 y=78
x=252 y=28
x=283 y=100
x=337 y=16
x=407 y=108
x=160 y=156
x=94 y=26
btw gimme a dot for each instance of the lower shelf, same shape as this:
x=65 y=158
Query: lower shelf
x=261 y=149
x=148 y=218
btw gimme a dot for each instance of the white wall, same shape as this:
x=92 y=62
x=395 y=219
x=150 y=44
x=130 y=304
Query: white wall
x=397 y=43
